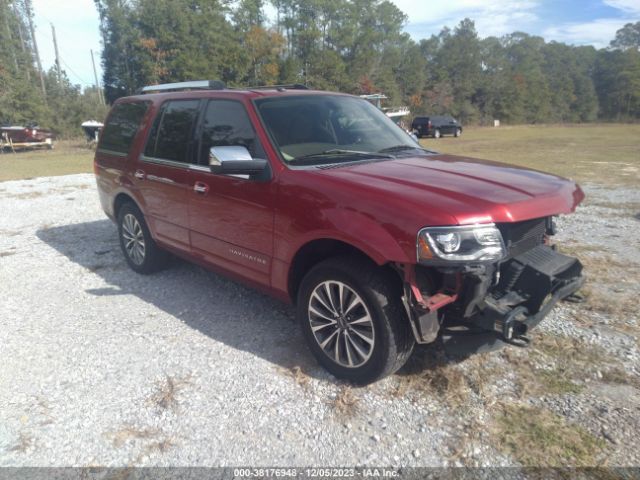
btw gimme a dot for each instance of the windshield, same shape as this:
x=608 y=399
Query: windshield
x=319 y=129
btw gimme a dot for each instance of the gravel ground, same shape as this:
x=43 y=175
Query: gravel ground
x=103 y=367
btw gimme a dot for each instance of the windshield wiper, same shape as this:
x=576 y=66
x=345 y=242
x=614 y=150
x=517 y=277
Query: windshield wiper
x=344 y=154
x=400 y=148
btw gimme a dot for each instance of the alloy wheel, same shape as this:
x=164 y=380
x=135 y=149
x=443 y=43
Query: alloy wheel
x=341 y=324
x=133 y=238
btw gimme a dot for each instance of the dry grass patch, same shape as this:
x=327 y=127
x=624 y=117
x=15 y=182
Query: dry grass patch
x=615 y=303
x=168 y=390
x=25 y=441
x=68 y=157
x=450 y=381
x=556 y=365
x=552 y=365
x=609 y=280
x=634 y=206
x=599 y=265
x=27 y=195
x=346 y=402
x=299 y=376
x=601 y=153
x=618 y=375
x=536 y=437
x=122 y=436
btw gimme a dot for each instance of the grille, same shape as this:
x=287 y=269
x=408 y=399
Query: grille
x=520 y=237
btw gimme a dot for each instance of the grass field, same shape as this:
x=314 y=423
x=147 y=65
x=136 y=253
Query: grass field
x=69 y=156
x=596 y=153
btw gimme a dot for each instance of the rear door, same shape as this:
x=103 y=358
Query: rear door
x=231 y=217
x=162 y=173
x=113 y=158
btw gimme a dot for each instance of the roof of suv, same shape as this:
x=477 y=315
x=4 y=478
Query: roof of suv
x=229 y=92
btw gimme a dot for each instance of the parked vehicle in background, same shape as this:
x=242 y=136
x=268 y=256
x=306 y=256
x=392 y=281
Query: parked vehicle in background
x=436 y=126
x=319 y=199
x=31 y=136
x=91 y=129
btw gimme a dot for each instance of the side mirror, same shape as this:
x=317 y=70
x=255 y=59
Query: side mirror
x=234 y=160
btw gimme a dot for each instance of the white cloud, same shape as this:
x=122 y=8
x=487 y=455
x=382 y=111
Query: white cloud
x=491 y=18
x=631 y=7
x=597 y=32
x=442 y=11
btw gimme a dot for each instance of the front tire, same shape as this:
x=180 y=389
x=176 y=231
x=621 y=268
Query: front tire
x=458 y=132
x=353 y=320
x=140 y=250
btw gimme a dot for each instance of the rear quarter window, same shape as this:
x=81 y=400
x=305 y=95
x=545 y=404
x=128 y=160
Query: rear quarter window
x=122 y=126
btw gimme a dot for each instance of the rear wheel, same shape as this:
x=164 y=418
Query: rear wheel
x=140 y=250
x=436 y=133
x=353 y=320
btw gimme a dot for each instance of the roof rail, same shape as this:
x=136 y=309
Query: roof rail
x=176 y=87
x=291 y=86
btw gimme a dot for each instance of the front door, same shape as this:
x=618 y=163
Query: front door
x=162 y=173
x=231 y=217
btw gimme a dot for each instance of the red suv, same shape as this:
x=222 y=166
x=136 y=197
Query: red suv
x=321 y=200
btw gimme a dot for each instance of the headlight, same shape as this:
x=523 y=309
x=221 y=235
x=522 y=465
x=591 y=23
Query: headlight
x=473 y=243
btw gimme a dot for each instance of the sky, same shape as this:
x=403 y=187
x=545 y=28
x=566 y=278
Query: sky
x=577 y=22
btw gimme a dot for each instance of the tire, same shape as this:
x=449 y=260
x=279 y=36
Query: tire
x=373 y=338
x=436 y=133
x=458 y=132
x=138 y=247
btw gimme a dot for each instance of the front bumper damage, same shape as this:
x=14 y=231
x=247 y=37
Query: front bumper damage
x=480 y=307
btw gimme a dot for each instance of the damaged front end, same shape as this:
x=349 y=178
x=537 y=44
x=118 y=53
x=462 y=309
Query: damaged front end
x=479 y=286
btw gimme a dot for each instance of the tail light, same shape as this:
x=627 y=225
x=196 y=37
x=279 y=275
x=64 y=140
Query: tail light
x=429 y=124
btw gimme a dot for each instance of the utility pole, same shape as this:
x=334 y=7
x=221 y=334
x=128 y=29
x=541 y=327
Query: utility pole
x=95 y=75
x=35 y=48
x=55 y=47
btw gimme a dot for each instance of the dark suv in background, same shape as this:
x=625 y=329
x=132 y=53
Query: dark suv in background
x=436 y=126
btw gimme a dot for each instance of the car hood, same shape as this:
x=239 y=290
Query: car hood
x=466 y=190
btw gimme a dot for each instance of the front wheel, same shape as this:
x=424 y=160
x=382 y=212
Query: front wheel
x=353 y=321
x=458 y=132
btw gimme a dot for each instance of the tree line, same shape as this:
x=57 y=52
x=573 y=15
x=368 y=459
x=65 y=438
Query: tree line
x=360 y=47
x=29 y=95
x=354 y=46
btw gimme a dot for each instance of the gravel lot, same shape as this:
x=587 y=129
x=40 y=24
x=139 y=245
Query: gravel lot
x=100 y=366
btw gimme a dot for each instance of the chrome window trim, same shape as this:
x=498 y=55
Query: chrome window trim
x=199 y=168
x=162 y=161
x=111 y=152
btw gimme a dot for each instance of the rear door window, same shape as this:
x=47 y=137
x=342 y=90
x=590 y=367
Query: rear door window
x=122 y=126
x=172 y=132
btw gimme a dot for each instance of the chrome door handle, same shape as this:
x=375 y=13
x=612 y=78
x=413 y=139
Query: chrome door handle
x=200 y=187
x=139 y=174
